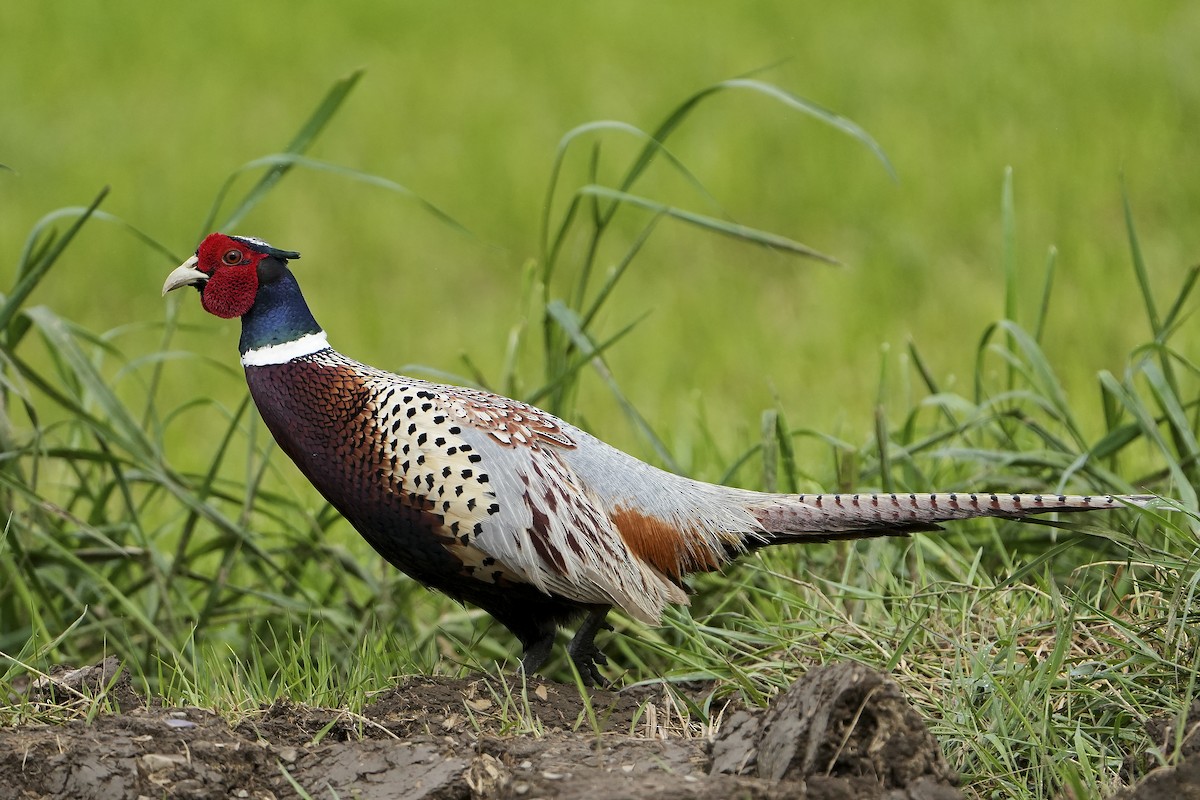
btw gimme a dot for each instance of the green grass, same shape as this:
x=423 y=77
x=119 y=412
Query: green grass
x=152 y=521
x=465 y=106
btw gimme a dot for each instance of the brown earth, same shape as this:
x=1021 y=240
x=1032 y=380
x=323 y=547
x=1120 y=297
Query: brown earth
x=1179 y=746
x=842 y=732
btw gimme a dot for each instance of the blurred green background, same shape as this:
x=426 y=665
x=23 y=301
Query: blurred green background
x=464 y=104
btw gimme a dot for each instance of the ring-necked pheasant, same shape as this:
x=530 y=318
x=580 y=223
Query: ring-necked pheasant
x=505 y=506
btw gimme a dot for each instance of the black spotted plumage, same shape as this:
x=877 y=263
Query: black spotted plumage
x=498 y=503
x=328 y=420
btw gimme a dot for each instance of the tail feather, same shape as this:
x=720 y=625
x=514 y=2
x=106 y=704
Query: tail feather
x=823 y=517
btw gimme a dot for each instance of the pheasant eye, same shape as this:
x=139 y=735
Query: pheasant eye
x=232 y=256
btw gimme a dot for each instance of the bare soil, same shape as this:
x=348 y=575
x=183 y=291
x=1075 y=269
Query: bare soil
x=1177 y=745
x=842 y=732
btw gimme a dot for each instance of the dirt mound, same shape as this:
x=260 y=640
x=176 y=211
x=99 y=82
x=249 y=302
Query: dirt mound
x=1179 y=746
x=842 y=731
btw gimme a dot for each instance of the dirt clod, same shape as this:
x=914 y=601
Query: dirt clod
x=1178 y=746
x=67 y=686
x=845 y=731
x=840 y=732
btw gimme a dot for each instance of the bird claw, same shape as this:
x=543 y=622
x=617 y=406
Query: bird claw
x=586 y=656
x=536 y=654
x=589 y=665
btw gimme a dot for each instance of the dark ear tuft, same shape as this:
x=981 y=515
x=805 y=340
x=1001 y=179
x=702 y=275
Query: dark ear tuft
x=259 y=246
x=286 y=255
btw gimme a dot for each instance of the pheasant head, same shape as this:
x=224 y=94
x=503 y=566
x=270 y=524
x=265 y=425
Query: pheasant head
x=239 y=276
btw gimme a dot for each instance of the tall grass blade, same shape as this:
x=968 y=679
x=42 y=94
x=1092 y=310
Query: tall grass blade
x=1008 y=225
x=1008 y=245
x=604 y=126
x=119 y=424
x=37 y=263
x=1175 y=315
x=769 y=427
x=300 y=143
x=569 y=322
x=618 y=272
x=766 y=239
x=1182 y=488
x=1139 y=266
x=278 y=160
x=1047 y=288
x=787 y=456
x=681 y=112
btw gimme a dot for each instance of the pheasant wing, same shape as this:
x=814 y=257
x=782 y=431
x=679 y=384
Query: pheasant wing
x=542 y=522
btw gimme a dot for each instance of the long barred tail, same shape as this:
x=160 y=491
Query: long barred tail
x=819 y=517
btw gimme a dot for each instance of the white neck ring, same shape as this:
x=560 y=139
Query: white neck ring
x=287 y=351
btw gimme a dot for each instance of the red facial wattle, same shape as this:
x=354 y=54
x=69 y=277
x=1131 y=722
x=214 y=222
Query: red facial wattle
x=233 y=276
x=230 y=292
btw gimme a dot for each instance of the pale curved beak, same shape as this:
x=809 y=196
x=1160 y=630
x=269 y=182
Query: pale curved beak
x=185 y=274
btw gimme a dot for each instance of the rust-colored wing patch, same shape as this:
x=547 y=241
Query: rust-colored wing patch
x=670 y=550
